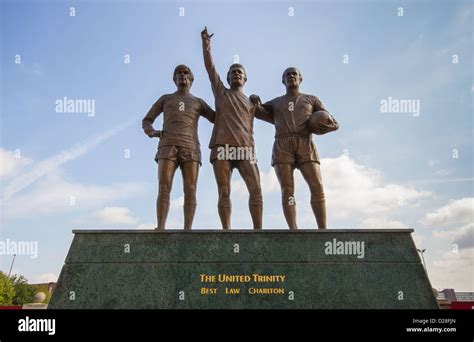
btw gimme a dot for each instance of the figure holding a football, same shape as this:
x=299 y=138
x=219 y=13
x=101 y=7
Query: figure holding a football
x=296 y=116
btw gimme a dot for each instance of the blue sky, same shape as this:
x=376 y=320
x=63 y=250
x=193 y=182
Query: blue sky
x=380 y=169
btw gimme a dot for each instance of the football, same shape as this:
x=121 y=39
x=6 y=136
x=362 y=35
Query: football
x=321 y=122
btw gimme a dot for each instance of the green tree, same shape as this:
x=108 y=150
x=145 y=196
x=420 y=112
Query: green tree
x=24 y=292
x=7 y=290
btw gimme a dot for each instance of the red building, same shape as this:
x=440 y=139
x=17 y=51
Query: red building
x=449 y=299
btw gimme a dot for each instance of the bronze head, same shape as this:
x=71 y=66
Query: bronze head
x=183 y=77
x=236 y=76
x=292 y=77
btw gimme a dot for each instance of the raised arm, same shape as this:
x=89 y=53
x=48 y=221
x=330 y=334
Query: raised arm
x=150 y=117
x=209 y=64
x=263 y=112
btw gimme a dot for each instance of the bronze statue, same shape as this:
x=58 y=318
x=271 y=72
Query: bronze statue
x=293 y=146
x=179 y=144
x=232 y=144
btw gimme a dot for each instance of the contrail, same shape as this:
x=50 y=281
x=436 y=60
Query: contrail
x=46 y=166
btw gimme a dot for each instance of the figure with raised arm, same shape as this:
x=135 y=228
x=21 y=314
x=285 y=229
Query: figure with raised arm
x=232 y=144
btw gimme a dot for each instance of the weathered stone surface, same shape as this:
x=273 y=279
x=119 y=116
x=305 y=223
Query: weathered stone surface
x=149 y=269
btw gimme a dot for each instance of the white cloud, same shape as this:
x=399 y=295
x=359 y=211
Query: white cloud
x=350 y=188
x=177 y=203
x=51 y=164
x=146 y=226
x=54 y=194
x=11 y=163
x=457 y=211
x=174 y=222
x=382 y=223
x=453 y=270
x=463 y=237
x=268 y=182
x=419 y=239
x=428 y=181
x=43 y=278
x=115 y=215
x=353 y=189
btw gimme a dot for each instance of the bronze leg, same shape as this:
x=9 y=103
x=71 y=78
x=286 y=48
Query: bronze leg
x=312 y=174
x=166 y=169
x=251 y=176
x=190 y=172
x=284 y=174
x=223 y=173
